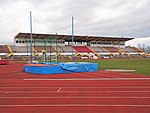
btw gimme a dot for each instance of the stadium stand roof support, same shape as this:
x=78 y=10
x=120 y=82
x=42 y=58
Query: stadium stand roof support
x=69 y=37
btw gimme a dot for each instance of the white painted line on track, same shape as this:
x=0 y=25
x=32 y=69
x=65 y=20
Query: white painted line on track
x=81 y=74
x=76 y=97
x=130 y=87
x=59 y=89
x=107 y=76
x=75 y=105
x=67 y=91
x=49 y=84
x=34 y=79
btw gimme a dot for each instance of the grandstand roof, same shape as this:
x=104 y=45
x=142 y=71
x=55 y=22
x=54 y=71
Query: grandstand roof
x=69 y=37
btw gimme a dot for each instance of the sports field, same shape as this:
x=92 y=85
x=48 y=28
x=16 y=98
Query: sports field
x=142 y=66
x=94 y=92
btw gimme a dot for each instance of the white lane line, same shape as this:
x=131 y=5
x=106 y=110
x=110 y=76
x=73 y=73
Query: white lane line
x=25 y=84
x=71 y=91
x=108 y=76
x=34 y=79
x=59 y=89
x=81 y=74
x=137 y=87
x=77 y=97
x=74 y=105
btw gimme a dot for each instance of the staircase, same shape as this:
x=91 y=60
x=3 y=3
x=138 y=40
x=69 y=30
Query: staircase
x=35 y=52
x=11 y=52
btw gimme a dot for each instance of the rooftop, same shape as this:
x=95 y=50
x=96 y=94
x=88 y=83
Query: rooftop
x=69 y=37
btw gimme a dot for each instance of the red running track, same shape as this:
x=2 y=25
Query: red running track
x=96 y=92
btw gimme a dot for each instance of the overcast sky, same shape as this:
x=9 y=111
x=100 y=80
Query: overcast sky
x=127 y=18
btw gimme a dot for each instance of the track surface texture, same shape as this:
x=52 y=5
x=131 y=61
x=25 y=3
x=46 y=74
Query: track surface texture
x=94 y=92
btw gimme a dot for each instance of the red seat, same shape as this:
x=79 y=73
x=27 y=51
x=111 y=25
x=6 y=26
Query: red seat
x=4 y=49
x=82 y=49
x=136 y=49
x=111 y=49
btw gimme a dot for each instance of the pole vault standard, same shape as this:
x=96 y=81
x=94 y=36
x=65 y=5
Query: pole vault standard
x=56 y=48
x=72 y=39
x=63 y=67
x=31 y=36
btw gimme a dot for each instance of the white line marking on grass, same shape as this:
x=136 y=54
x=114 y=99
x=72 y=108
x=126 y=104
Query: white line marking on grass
x=74 y=105
x=120 y=70
x=34 y=79
x=59 y=89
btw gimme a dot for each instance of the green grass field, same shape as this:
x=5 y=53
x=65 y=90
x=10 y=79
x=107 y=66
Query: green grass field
x=142 y=66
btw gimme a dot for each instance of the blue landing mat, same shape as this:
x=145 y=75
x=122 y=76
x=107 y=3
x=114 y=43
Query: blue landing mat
x=59 y=68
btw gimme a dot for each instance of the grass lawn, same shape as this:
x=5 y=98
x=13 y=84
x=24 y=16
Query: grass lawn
x=142 y=66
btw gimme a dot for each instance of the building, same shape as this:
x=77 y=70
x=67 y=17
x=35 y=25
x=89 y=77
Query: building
x=53 y=44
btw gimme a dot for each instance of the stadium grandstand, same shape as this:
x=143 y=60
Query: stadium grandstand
x=84 y=47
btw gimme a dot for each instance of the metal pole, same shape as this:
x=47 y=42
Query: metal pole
x=72 y=39
x=34 y=46
x=31 y=36
x=56 y=48
x=45 y=49
x=50 y=48
x=27 y=47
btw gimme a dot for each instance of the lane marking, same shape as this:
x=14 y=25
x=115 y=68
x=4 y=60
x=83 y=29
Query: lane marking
x=75 y=105
x=81 y=74
x=120 y=70
x=67 y=91
x=77 y=97
x=59 y=89
x=34 y=79
x=77 y=87
x=85 y=83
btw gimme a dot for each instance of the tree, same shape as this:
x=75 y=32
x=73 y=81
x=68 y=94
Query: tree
x=144 y=48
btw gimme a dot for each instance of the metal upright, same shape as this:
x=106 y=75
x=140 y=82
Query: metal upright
x=56 y=48
x=72 y=39
x=31 y=36
x=45 y=50
x=50 y=41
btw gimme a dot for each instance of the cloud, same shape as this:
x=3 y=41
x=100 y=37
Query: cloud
x=127 y=18
x=142 y=41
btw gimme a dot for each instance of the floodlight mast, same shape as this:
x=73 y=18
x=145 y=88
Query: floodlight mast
x=31 y=37
x=72 y=39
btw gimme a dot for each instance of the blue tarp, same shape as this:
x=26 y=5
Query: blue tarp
x=59 y=68
x=79 y=67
